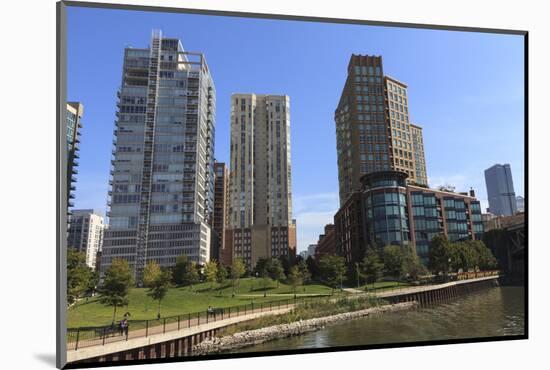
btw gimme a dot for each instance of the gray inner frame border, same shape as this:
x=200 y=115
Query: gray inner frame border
x=61 y=131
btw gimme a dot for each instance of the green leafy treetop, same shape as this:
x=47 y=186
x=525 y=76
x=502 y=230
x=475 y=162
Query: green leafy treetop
x=116 y=284
x=79 y=275
x=439 y=255
x=211 y=272
x=304 y=271
x=237 y=270
x=412 y=267
x=295 y=278
x=150 y=273
x=393 y=257
x=159 y=287
x=262 y=270
x=185 y=272
x=222 y=274
x=371 y=266
x=332 y=270
x=275 y=270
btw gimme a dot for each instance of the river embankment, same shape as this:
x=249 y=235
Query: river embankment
x=257 y=336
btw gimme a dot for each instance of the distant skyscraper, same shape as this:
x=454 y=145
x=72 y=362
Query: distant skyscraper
x=373 y=128
x=311 y=250
x=500 y=190
x=260 y=214
x=520 y=203
x=86 y=233
x=162 y=184
x=75 y=111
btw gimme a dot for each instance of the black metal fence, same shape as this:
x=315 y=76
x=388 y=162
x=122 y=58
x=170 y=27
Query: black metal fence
x=100 y=335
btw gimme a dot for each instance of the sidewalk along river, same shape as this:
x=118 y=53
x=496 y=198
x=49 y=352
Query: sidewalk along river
x=494 y=312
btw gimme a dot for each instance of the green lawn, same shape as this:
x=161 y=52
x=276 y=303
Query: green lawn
x=183 y=300
x=384 y=285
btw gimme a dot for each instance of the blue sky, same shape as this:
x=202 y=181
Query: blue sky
x=465 y=90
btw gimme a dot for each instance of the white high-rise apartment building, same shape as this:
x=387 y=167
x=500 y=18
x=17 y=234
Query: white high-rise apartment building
x=260 y=206
x=86 y=228
x=162 y=184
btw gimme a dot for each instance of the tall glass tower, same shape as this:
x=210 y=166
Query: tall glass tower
x=500 y=190
x=162 y=175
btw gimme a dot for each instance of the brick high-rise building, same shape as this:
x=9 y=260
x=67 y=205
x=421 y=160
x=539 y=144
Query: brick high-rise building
x=327 y=243
x=162 y=184
x=373 y=128
x=348 y=222
x=260 y=213
x=220 y=219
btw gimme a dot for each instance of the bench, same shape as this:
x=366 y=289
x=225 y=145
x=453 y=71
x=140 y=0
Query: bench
x=215 y=311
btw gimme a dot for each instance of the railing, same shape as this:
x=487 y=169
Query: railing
x=101 y=335
x=476 y=274
x=431 y=280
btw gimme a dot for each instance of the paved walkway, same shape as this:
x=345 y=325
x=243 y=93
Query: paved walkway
x=353 y=291
x=158 y=327
x=285 y=295
x=138 y=339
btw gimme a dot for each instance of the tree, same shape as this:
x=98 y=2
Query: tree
x=275 y=270
x=286 y=263
x=463 y=256
x=304 y=271
x=150 y=273
x=185 y=272
x=221 y=275
x=93 y=282
x=447 y=187
x=116 y=284
x=412 y=267
x=159 y=287
x=262 y=270
x=439 y=255
x=237 y=270
x=372 y=266
x=78 y=275
x=332 y=270
x=211 y=272
x=485 y=258
x=393 y=260
x=313 y=267
x=295 y=278
x=262 y=267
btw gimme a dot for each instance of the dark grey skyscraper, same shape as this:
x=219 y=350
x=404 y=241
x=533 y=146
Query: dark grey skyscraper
x=162 y=183
x=500 y=190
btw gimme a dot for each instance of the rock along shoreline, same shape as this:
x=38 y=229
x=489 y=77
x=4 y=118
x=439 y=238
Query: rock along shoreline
x=257 y=336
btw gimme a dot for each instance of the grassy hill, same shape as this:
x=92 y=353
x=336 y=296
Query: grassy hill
x=184 y=300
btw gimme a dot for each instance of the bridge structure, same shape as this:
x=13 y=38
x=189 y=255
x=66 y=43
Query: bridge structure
x=507 y=242
x=177 y=336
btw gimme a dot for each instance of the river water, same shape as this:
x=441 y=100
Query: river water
x=493 y=312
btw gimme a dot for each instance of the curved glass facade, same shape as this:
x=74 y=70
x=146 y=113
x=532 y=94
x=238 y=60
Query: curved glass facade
x=385 y=205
